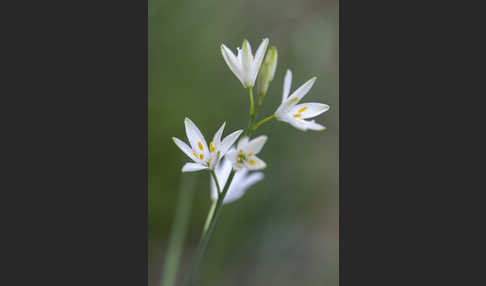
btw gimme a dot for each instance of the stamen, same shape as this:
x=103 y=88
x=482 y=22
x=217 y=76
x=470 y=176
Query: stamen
x=252 y=162
x=302 y=109
x=201 y=156
x=250 y=154
x=297 y=115
x=211 y=147
x=195 y=155
x=241 y=158
x=200 y=145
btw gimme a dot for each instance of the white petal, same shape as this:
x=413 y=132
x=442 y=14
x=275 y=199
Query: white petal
x=239 y=58
x=235 y=191
x=192 y=167
x=304 y=125
x=195 y=137
x=228 y=141
x=246 y=62
x=232 y=62
x=287 y=84
x=255 y=145
x=312 y=125
x=310 y=109
x=300 y=124
x=186 y=149
x=257 y=62
x=303 y=89
x=217 y=136
x=250 y=180
x=255 y=163
x=285 y=107
x=243 y=142
x=232 y=155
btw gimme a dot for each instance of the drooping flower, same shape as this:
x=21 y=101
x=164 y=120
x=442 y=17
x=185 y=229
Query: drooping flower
x=295 y=114
x=245 y=66
x=240 y=183
x=244 y=154
x=204 y=157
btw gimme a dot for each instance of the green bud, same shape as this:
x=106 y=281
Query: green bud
x=267 y=71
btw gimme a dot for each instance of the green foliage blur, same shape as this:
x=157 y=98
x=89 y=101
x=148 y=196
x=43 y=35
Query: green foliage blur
x=284 y=231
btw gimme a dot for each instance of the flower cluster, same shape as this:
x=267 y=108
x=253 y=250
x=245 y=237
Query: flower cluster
x=221 y=157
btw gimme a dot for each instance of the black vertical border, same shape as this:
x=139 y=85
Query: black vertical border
x=74 y=199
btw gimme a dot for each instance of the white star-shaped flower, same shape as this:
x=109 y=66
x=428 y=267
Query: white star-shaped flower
x=204 y=157
x=295 y=114
x=240 y=183
x=244 y=154
x=244 y=65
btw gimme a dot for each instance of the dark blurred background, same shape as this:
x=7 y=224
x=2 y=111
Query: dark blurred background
x=284 y=231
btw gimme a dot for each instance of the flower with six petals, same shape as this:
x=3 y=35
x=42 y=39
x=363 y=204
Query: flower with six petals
x=244 y=65
x=204 y=157
x=295 y=114
x=244 y=154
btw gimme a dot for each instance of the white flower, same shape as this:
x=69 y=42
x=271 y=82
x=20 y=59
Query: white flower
x=295 y=114
x=244 y=154
x=204 y=157
x=240 y=183
x=244 y=65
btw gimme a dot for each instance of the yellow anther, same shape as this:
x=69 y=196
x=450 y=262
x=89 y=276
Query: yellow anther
x=252 y=162
x=201 y=156
x=302 y=109
x=195 y=155
x=240 y=151
x=200 y=145
x=211 y=147
x=297 y=115
x=250 y=154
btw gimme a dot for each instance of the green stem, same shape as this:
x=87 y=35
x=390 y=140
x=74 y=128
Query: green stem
x=271 y=117
x=216 y=181
x=179 y=228
x=252 y=104
x=205 y=239
x=213 y=205
x=252 y=112
x=210 y=217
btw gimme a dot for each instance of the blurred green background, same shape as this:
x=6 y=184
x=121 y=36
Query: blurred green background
x=284 y=231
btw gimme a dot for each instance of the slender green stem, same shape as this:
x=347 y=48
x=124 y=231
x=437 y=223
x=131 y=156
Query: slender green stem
x=216 y=181
x=252 y=104
x=213 y=205
x=205 y=239
x=178 y=232
x=252 y=112
x=209 y=218
x=271 y=117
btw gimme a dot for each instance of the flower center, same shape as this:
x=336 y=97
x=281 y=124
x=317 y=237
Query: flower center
x=242 y=158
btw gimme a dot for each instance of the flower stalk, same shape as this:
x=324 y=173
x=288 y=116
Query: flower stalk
x=207 y=234
x=265 y=120
x=252 y=103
